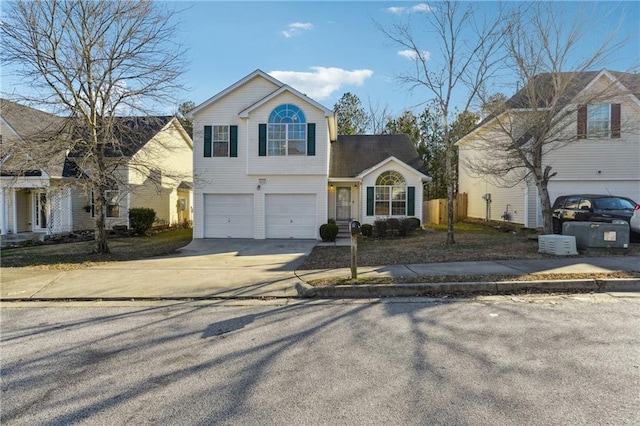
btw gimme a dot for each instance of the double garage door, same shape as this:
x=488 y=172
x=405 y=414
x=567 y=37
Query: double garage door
x=286 y=216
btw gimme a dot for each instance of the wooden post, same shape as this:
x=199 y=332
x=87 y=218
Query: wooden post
x=354 y=256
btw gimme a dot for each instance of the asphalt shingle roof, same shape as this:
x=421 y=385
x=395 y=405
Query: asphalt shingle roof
x=32 y=125
x=352 y=154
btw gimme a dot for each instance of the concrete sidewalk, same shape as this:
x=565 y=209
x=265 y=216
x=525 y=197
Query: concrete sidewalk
x=197 y=275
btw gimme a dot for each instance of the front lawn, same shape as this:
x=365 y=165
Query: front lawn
x=81 y=254
x=474 y=242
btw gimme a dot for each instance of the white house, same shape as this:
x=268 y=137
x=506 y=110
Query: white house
x=266 y=165
x=603 y=156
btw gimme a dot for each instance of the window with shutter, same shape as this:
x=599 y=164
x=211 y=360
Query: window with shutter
x=599 y=121
x=287 y=132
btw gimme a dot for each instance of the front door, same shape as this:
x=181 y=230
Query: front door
x=40 y=211
x=343 y=203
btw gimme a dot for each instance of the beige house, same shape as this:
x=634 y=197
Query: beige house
x=602 y=157
x=49 y=196
x=269 y=164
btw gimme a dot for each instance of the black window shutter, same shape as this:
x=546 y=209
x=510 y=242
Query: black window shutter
x=311 y=139
x=615 y=120
x=582 y=122
x=207 y=141
x=262 y=140
x=370 y=200
x=233 y=141
x=411 y=201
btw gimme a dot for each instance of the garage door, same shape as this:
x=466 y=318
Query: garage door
x=228 y=216
x=290 y=215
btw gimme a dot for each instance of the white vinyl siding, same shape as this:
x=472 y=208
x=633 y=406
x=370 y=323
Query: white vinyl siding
x=283 y=174
x=228 y=216
x=290 y=215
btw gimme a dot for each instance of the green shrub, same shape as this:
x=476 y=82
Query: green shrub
x=367 y=230
x=380 y=228
x=329 y=232
x=393 y=223
x=333 y=221
x=408 y=225
x=141 y=219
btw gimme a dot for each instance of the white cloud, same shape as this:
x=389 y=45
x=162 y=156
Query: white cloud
x=296 y=28
x=321 y=82
x=412 y=54
x=422 y=7
x=398 y=10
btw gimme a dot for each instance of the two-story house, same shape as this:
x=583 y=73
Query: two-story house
x=599 y=153
x=262 y=156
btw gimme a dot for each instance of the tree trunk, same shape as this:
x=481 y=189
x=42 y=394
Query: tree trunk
x=547 y=219
x=450 y=189
x=102 y=246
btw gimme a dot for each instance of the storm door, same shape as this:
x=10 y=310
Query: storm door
x=40 y=211
x=343 y=203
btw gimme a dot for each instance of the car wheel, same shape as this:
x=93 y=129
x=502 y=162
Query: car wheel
x=557 y=226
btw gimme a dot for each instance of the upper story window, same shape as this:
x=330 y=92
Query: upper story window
x=390 y=194
x=220 y=141
x=287 y=131
x=598 y=121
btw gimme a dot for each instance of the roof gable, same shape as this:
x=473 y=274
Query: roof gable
x=285 y=89
x=215 y=98
x=353 y=154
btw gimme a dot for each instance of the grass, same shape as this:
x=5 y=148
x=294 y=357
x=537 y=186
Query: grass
x=81 y=254
x=474 y=242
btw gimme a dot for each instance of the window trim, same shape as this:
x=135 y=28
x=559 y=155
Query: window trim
x=112 y=205
x=286 y=115
x=598 y=127
x=387 y=185
x=214 y=141
x=586 y=130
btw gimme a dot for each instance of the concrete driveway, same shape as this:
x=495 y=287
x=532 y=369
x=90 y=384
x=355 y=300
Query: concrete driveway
x=204 y=268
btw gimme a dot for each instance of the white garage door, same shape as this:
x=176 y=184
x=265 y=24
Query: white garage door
x=228 y=216
x=291 y=215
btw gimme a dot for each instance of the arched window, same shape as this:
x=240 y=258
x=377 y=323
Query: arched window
x=391 y=194
x=287 y=131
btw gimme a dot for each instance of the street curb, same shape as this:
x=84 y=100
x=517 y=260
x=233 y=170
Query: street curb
x=426 y=289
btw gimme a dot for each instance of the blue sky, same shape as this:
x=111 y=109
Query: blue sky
x=325 y=48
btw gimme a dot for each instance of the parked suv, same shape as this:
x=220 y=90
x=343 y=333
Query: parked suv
x=590 y=208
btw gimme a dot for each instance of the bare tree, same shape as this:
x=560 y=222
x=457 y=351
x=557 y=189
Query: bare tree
x=541 y=45
x=93 y=61
x=469 y=55
x=378 y=117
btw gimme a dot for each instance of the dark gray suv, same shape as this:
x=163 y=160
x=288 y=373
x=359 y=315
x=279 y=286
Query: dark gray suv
x=590 y=208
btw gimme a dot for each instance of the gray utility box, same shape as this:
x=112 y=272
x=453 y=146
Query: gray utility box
x=598 y=234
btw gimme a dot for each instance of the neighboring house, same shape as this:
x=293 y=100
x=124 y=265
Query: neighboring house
x=48 y=195
x=603 y=158
x=268 y=164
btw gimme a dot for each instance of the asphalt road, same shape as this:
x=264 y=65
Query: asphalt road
x=494 y=361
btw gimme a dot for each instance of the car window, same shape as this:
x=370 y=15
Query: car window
x=614 y=204
x=584 y=204
x=572 y=203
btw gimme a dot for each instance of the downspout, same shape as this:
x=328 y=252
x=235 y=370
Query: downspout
x=526 y=204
